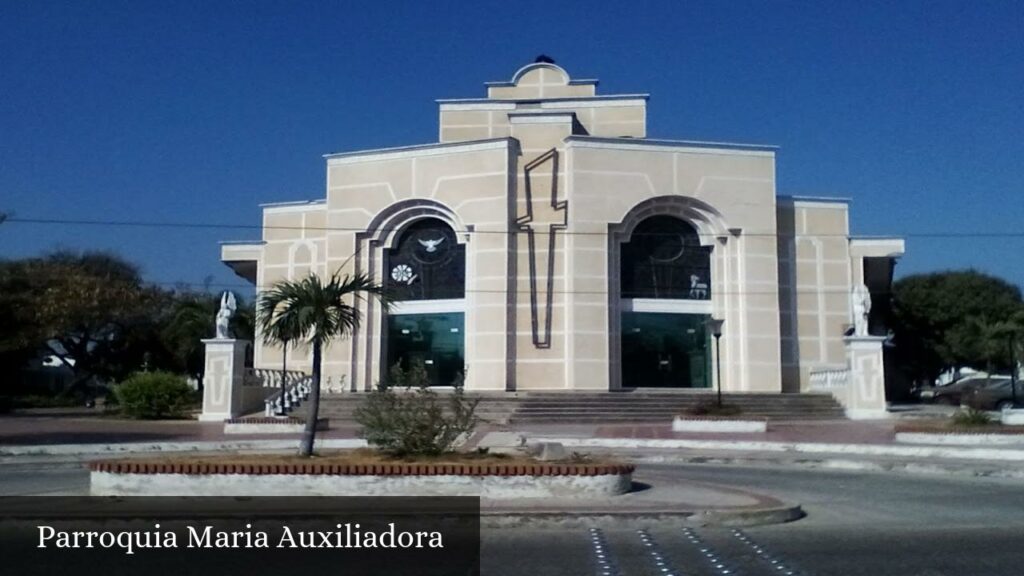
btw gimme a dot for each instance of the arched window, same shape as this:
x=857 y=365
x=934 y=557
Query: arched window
x=426 y=264
x=425 y=274
x=664 y=259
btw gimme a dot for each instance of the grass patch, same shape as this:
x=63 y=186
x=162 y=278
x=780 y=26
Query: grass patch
x=971 y=417
x=949 y=426
x=41 y=401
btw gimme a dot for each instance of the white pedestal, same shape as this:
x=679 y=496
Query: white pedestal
x=223 y=379
x=865 y=392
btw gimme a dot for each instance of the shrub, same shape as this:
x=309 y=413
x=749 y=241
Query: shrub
x=153 y=395
x=971 y=417
x=415 y=421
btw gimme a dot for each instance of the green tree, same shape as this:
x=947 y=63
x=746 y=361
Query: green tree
x=193 y=318
x=18 y=328
x=19 y=335
x=90 y=310
x=17 y=331
x=319 y=312
x=990 y=340
x=956 y=318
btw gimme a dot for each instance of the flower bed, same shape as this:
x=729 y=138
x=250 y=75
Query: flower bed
x=270 y=425
x=358 y=475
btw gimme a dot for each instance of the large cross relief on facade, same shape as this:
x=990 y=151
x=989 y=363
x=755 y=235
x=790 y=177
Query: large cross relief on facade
x=545 y=214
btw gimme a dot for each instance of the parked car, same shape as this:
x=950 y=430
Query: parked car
x=996 y=396
x=954 y=393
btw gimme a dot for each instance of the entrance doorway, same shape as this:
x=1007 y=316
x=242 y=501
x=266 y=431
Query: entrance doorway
x=661 y=350
x=434 y=341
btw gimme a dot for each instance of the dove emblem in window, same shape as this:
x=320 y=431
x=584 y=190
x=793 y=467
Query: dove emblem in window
x=431 y=245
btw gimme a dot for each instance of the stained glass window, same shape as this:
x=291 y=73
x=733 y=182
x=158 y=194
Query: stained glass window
x=427 y=263
x=664 y=259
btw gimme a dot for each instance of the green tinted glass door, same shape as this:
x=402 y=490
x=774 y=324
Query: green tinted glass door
x=435 y=340
x=664 y=350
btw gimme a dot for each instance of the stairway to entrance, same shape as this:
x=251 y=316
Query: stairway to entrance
x=616 y=407
x=644 y=406
x=493 y=408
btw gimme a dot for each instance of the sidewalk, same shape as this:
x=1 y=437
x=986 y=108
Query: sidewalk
x=828 y=431
x=866 y=445
x=72 y=432
x=832 y=445
x=77 y=428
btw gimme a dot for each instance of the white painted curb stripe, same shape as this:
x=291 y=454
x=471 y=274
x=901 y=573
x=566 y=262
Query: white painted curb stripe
x=805 y=447
x=961 y=439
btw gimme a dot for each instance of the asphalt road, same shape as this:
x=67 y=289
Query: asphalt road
x=43 y=478
x=857 y=524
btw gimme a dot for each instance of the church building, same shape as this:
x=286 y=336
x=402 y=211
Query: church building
x=545 y=243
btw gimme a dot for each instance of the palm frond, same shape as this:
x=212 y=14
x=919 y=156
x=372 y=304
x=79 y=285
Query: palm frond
x=311 y=309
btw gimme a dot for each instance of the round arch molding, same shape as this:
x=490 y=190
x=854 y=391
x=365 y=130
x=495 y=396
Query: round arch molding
x=712 y=232
x=382 y=233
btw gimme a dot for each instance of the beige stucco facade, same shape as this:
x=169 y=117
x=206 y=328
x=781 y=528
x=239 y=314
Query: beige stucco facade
x=542 y=181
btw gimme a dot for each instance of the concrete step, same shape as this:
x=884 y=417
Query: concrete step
x=617 y=407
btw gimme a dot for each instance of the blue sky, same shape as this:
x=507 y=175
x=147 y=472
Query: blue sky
x=199 y=111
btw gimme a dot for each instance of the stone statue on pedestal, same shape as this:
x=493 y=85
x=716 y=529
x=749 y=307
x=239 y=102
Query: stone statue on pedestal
x=227 y=310
x=860 y=301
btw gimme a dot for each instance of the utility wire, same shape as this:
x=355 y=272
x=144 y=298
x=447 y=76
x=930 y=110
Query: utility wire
x=541 y=225
x=470 y=291
x=203 y=225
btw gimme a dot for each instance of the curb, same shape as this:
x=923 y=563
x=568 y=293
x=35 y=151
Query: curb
x=946 y=452
x=976 y=439
x=701 y=518
x=840 y=465
x=157 y=447
x=757 y=517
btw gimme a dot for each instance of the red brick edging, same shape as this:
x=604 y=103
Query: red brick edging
x=391 y=469
x=268 y=420
x=288 y=420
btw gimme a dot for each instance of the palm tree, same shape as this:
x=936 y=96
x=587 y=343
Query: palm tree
x=312 y=310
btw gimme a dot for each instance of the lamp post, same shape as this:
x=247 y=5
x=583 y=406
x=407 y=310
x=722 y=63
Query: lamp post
x=284 y=378
x=715 y=326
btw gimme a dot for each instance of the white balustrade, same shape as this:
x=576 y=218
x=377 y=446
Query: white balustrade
x=296 y=390
x=830 y=379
